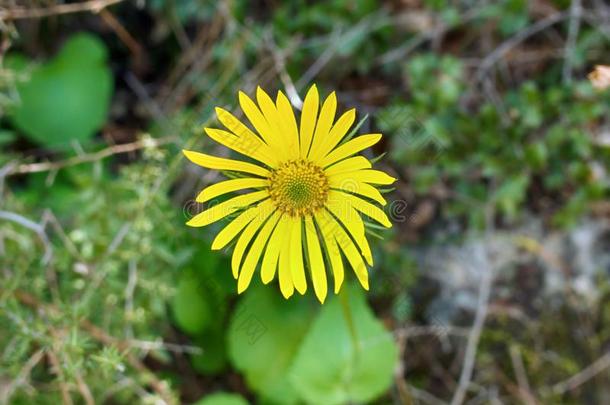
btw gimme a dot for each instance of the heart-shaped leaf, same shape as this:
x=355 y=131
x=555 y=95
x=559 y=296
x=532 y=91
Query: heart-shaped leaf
x=265 y=333
x=337 y=364
x=292 y=351
x=66 y=98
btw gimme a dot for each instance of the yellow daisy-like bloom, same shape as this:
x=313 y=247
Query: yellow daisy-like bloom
x=307 y=192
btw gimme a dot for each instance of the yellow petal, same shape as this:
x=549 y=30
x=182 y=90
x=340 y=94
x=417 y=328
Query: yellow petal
x=361 y=205
x=285 y=274
x=338 y=131
x=256 y=118
x=365 y=176
x=349 y=148
x=325 y=121
x=288 y=124
x=332 y=250
x=226 y=208
x=229 y=186
x=213 y=162
x=351 y=252
x=296 y=256
x=308 y=119
x=246 y=237
x=233 y=124
x=352 y=164
x=251 y=147
x=280 y=142
x=254 y=254
x=234 y=227
x=354 y=225
x=318 y=270
x=272 y=252
x=356 y=187
x=242 y=131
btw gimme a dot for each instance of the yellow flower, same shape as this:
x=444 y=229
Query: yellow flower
x=307 y=192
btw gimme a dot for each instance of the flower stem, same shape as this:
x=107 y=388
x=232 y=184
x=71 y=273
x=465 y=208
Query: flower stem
x=347 y=313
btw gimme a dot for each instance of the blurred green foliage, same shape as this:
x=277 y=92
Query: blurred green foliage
x=222 y=399
x=108 y=230
x=537 y=138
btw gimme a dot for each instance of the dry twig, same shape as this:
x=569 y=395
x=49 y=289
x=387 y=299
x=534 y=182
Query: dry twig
x=94 y=6
x=33 y=226
x=22 y=377
x=575 y=17
x=510 y=43
x=477 y=328
x=487 y=278
x=90 y=157
x=525 y=390
x=56 y=369
x=583 y=376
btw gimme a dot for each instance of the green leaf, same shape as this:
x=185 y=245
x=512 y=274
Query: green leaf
x=333 y=368
x=511 y=193
x=200 y=304
x=265 y=333
x=189 y=306
x=222 y=398
x=213 y=358
x=6 y=136
x=289 y=352
x=536 y=154
x=68 y=97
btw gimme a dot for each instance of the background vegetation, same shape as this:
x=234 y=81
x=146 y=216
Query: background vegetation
x=492 y=287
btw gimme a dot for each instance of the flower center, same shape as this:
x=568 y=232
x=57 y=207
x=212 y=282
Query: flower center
x=298 y=187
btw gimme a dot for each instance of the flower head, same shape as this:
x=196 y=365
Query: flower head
x=306 y=191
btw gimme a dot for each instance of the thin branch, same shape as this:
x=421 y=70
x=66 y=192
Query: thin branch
x=149 y=346
x=583 y=376
x=91 y=157
x=337 y=40
x=130 y=42
x=427 y=34
x=130 y=288
x=487 y=278
x=322 y=61
x=84 y=389
x=279 y=57
x=475 y=335
x=33 y=226
x=116 y=241
x=525 y=390
x=424 y=396
x=63 y=387
x=575 y=17
x=94 y=6
x=510 y=43
x=48 y=217
x=181 y=93
x=22 y=377
x=4 y=171
x=399 y=372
